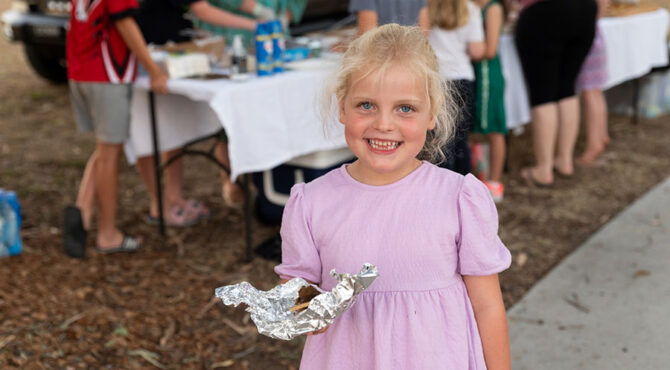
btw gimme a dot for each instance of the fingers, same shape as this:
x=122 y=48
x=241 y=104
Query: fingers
x=317 y=332
x=159 y=84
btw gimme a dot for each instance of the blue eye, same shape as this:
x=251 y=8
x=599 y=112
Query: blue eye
x=365 y=105
x=406 y=109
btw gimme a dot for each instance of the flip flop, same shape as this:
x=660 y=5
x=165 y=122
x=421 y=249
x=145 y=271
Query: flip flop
x=176 y=217
x=527 y=174
x=74 y=234
x=128 y=245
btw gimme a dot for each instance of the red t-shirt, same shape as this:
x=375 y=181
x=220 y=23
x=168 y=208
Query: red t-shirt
x=95 y=50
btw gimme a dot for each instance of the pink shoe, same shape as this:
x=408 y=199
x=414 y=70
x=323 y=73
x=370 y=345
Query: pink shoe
x=175 y=217
x=198 y=208
x=496 y=189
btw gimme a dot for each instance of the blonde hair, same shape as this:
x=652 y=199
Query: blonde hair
x=392 y=44
x=448 y=14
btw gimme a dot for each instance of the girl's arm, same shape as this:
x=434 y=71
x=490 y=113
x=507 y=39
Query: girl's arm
x=494 y=21
x=424 y=20
x=487 y=304
x=476 y=45
x=211 y=14
x=476 y=50
x=367 y=20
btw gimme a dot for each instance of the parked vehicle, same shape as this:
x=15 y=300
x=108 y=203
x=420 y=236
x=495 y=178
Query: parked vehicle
x=41 y=26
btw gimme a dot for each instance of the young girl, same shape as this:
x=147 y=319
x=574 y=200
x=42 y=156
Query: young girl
x=489 y=118
x=590 y=82
x=431 y=232
x=457 y=37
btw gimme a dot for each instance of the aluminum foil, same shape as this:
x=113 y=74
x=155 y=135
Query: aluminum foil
x=270 y=309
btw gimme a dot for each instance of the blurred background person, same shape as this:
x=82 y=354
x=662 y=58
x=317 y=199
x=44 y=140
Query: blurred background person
x=373 y=13
x=103 y=46
x=168 y=20
x=551 y=54
x=287 y=11
x=590 y=84
x=457 y=36
x=489 y=115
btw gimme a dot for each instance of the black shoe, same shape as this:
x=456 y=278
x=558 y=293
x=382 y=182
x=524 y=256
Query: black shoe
x=74 y=234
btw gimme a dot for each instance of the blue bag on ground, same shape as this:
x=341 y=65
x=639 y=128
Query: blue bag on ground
x=10 y=224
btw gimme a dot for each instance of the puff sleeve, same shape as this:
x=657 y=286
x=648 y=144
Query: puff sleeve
x=300 y=257
x=480 y=250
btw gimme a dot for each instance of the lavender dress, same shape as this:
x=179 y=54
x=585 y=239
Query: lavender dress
x=593 y=74
x=423 y=232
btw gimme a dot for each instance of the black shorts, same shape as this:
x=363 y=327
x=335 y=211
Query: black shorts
x=553 y=38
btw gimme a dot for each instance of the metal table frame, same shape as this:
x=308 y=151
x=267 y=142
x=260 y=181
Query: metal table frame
x=209 y=154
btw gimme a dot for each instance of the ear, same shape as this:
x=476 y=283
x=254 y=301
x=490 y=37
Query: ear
x=342 y=113
x=432 y=123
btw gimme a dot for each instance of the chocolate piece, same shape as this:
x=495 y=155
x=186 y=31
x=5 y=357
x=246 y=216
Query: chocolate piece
x=305 y=295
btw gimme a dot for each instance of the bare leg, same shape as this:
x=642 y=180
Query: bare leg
x=496 y=156
x=173 y=195
x=596 y=125
x=545 y=128
x=86 y=195
x=145 y=166
x=568 y=129
x=232 y=194
x=106 y=191
x=174 y=175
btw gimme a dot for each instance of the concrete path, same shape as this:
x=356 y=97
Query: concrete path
x=607 y=305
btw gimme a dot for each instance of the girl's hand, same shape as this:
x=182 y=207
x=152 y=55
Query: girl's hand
x=321 y=331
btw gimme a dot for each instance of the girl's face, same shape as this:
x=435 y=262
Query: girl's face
x=385 y=119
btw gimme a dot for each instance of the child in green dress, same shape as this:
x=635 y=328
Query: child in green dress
x=489 y=117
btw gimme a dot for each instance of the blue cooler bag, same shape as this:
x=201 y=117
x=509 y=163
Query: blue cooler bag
x=10 y=224
x=274 y=186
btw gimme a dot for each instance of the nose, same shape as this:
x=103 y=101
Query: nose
x=384 y=122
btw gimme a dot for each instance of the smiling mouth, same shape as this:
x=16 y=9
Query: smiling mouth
x=383 y=145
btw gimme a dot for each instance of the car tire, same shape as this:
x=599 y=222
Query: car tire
x=46 y=65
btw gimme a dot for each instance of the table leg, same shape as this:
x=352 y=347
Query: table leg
x=636 y=93
x=157 y=163
x=247 y=214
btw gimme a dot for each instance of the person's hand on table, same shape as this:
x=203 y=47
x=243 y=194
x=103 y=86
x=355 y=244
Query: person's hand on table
x=159 y=82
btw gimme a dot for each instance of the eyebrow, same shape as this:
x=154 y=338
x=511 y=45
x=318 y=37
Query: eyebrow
x=401 y=101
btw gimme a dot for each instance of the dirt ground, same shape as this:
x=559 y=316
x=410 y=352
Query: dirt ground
x=155 y=308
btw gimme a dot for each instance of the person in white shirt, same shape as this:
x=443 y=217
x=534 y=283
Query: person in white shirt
x=457 y=36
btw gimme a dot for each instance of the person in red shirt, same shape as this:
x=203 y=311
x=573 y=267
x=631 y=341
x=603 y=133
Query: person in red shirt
x=103 y=46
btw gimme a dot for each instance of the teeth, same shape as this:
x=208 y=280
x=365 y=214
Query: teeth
x=383 y=145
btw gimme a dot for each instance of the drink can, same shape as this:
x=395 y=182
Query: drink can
x=278 y=46
x=264 y=49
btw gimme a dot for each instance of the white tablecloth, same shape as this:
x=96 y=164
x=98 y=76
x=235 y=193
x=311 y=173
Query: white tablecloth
x=268 y=120
x=274 y=119
x=635 y=44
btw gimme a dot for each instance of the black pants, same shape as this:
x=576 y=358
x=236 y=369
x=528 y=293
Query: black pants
x=553 y=38
x=457 y=150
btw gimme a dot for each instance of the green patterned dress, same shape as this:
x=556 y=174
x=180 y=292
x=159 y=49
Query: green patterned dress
x=489 y=93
